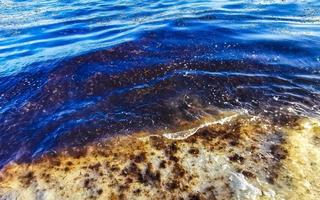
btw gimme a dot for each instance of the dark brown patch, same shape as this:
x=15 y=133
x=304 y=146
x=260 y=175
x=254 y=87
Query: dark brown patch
x=192 y=139
x=150 y=176
x=232 y=134
x=102 y=153
x=122 y=196
x=131 y=170
x=27 y=179
x=137 y=191
x=278 y=152
x=210 y=193
x=248 y=174
x=114 y=168
x=171 y=149
x=140 y=158
x=95 y=167
x=194 y=151
x=99 y=191
x=316 y=140
x=195 y=197
x=178 y=171
x=157 y=142
x=89 y=183
x=237 y=158
x=69 y=163
x=129 y=180
x=174 y=158
x=162 y=164
x=234 y=142
x=272 y=177
x=206 y=134
x=86 y=183
x=172 y=185
x=123 y=187
x=45 y=175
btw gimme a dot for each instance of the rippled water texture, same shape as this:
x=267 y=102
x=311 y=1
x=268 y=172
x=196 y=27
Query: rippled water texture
x=73 y=72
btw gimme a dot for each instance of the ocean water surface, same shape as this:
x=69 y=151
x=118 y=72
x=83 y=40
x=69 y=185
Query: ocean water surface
x=74 y=72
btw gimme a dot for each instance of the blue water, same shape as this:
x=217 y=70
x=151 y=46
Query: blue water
x=73 y=72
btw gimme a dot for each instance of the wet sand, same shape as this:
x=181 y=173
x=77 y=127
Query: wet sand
x=233 y=155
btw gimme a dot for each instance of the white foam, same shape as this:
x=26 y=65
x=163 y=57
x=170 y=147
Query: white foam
x=181 y=135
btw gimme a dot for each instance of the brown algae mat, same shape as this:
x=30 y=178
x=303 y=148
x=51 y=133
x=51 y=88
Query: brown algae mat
x=236 y=156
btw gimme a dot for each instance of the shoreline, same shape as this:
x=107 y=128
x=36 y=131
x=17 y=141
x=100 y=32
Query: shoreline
x=244 y=157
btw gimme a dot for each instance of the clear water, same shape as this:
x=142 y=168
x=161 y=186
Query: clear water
x=73 y=72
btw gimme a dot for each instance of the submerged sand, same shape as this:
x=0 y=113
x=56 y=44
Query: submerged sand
x=232 y=156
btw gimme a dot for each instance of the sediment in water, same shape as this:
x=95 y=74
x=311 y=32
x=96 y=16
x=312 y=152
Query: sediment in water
x=232 y=156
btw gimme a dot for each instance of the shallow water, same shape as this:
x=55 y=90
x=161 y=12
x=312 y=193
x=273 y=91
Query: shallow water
x=75 y=72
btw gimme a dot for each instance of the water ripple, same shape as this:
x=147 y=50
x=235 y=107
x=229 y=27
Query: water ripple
x=73 y=72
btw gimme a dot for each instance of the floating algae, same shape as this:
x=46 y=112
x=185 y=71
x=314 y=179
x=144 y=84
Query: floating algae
x=246 y=157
